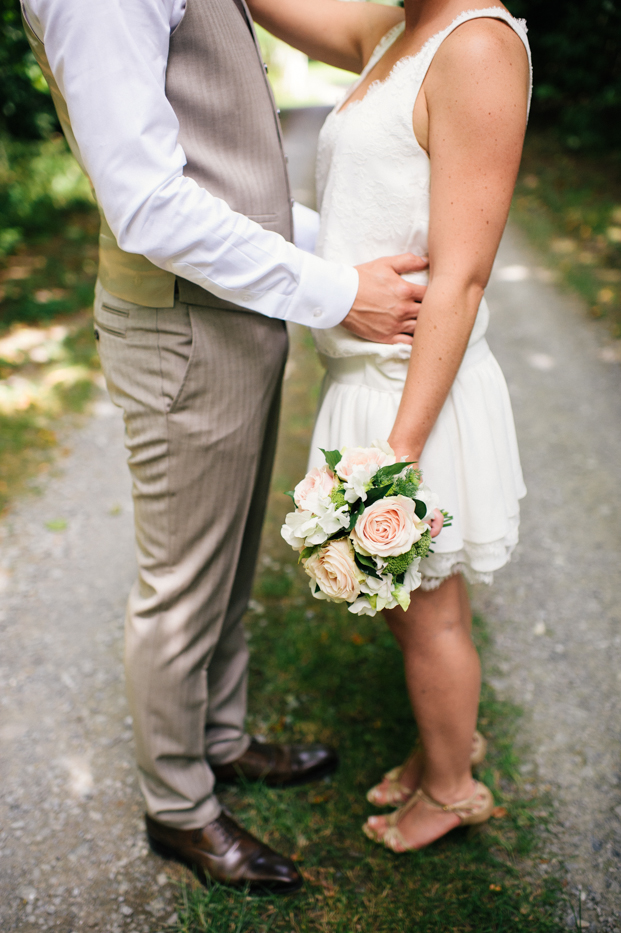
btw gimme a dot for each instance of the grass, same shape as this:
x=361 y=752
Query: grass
x=569 y=204
x=320 y=674
x=48 y=253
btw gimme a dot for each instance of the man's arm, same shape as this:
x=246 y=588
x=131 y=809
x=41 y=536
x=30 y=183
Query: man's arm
x=109 y=58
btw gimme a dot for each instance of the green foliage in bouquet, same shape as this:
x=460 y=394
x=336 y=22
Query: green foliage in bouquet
x=407 y=485
x=399 y=564
x=337 y=496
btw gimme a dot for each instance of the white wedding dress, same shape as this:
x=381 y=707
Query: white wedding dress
x=373 y=193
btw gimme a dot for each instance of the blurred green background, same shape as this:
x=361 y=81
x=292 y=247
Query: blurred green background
x=568 y=199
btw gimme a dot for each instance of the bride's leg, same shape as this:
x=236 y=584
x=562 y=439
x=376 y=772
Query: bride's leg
x=413 y=768
x=443 y=677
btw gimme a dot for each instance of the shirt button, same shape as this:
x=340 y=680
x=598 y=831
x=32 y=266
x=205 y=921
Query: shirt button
x=317 y=312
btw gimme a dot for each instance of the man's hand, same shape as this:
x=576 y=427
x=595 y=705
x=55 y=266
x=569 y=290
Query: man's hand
x=386 y=306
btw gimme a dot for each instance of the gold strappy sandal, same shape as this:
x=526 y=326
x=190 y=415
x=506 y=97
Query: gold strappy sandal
x=476 y=809
x=396 y=793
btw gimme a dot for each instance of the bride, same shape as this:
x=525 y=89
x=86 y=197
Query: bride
x=422 y=157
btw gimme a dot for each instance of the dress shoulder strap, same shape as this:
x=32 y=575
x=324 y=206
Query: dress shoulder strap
x=382 y=46
x=494 y=12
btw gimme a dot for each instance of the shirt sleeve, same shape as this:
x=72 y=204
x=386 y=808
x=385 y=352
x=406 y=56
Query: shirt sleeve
x=109 y=59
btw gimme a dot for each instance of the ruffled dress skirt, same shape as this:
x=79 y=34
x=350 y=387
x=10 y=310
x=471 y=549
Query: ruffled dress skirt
x=470 y=460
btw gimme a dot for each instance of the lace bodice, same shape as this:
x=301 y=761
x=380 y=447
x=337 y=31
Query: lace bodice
x=373 y=178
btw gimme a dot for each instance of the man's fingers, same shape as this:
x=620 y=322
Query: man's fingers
x=417 y=292
x=401 y=338
x=409 y=291
x=407 y=326
x=408 y=312
x=407 y=262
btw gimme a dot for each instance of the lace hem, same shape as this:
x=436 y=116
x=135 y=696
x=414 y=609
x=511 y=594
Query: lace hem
x=470 y=561
x=472 y=576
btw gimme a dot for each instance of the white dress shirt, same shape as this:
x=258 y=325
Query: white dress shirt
x=109 y=58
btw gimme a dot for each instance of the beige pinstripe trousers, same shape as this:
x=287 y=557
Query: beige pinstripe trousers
x=200 y=393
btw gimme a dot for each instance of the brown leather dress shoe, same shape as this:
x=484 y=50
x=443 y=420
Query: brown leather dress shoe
x=279 y=765
x=223 y=851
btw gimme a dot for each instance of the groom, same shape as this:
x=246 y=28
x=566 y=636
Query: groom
x=166 y=105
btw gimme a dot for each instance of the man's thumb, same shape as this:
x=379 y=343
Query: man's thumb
x=407 y=262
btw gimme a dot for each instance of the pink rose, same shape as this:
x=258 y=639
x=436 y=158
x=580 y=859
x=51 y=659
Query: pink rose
x=388 y=527
x=364 y=459
x=316 y=485
x=333 y=569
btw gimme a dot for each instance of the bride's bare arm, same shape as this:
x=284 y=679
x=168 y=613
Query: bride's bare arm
x=341 y=34
x=475 y=95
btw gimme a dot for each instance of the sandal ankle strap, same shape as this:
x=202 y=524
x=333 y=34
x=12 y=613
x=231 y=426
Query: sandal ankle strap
x=461 y=808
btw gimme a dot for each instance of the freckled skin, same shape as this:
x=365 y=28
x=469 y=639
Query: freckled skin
x=470 y=118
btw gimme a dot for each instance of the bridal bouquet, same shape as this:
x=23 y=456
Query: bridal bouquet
x=361 y=525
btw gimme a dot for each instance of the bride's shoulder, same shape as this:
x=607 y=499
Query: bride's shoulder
x=482 y=38
x=481 y=47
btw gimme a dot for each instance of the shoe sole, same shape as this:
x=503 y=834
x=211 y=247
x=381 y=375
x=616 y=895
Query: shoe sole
x=255 y=888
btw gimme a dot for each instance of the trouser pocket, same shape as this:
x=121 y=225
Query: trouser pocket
x=111 y=320
x=145 y=353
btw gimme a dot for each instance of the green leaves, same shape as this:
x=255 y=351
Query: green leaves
x=373 y=494
x=407 y=485
x=422 y=546
x=421 y=508
x=355 y=514
x=333 y=457
x=387 y=472
x=366 y=564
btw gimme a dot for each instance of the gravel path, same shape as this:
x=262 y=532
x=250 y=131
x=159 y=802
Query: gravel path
x=72 y=849
x=556 y=610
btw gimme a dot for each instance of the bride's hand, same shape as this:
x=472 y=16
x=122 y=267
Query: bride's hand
x=386 y=306
x=437 y=522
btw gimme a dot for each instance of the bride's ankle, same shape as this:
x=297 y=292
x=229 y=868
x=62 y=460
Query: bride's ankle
x=449 y=792
x=413 y=769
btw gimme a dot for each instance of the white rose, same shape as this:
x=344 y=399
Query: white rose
x=332 y=568
x=332 y=519
x=362 y=607
x=302 y=529
x=358 y=466
x=381 y=589
x=412 y=578
x=313 y=492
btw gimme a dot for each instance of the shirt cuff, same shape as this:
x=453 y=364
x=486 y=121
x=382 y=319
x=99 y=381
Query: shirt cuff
x=325 y=294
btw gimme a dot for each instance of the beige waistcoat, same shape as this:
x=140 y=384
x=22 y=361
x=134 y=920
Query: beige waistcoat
x=229 y=131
